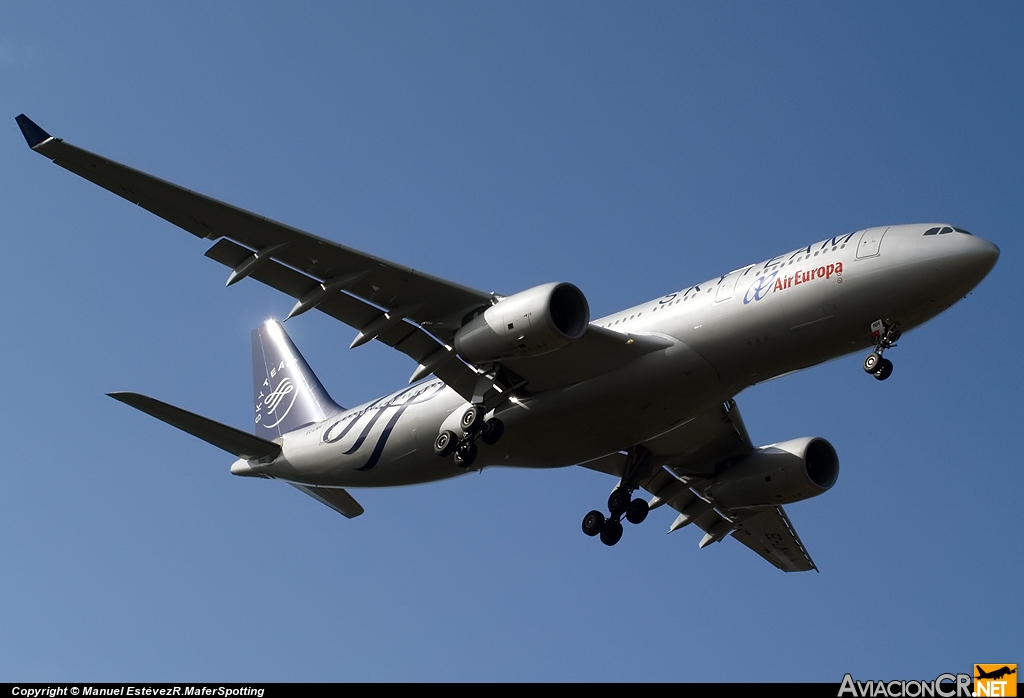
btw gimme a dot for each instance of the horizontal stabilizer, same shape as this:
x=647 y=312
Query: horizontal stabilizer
x=334 y=497
x=234 y=441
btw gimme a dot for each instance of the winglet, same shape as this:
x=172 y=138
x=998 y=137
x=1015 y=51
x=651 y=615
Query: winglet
x=34 y=135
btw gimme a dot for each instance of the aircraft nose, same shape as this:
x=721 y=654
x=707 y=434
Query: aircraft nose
x=987 y=251
x=980 y=253
x=975 y=258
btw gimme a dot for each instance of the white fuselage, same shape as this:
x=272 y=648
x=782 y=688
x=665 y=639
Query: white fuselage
x=758 y=322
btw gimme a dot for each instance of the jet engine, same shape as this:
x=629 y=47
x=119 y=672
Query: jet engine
x=778 y=474
x=530 y=323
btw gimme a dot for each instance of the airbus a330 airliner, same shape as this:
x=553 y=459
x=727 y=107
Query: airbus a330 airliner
x=646 y=393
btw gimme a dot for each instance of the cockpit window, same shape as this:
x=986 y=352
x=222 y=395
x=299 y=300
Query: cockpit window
x=942 y=230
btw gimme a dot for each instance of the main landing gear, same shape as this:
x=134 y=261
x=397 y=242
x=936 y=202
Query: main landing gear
x=474 y=427
x=885 y=335
x=620 y=502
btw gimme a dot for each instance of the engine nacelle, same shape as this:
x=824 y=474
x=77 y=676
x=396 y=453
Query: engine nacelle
x=779 y=474
x=530 y=323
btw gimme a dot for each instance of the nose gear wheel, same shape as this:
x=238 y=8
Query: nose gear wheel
x=885 y=335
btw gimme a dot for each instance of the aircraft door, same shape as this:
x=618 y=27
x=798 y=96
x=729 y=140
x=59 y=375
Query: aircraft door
x=870 y=242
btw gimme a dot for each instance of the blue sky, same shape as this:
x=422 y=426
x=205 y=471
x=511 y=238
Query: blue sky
x=631 y=149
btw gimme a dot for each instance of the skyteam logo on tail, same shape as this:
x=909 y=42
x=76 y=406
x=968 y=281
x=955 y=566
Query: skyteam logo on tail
x=286 y=393
x=272 y=406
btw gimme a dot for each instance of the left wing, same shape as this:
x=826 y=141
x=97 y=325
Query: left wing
x=684 y=461
x=398 y=305
x=413 y=312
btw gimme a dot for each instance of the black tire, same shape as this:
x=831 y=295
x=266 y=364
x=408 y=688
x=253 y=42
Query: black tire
x=593 y=523
x=611 y=532
x=471 y=419
x=618 y=501
x=871 y=362
x=465 y=454
x=446 y=443
x=492 y=431
x=884 y=370
x=637 y=511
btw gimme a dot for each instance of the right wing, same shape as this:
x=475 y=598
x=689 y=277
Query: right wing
x=683 y=463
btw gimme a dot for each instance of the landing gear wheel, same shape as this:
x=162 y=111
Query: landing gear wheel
x=871 y=362
x=446 y=443
x=884 y=370
x=618 y=502
x=611 y=532
x=471 y=419
x=465 y=454
x=593 y=523
x=637 y=511
x=492 y=431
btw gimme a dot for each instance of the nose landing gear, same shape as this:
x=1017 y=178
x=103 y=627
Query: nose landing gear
x=620 y=502
x=885 y=335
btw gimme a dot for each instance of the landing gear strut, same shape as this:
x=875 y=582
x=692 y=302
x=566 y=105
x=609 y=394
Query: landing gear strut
x=474 y=426
x=621 y=502
x=885 y=335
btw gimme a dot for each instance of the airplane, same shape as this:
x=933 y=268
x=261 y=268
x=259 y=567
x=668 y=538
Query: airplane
x=645 y=395
x=995 y=673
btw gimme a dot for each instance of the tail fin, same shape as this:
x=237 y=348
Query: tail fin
x=287 y=393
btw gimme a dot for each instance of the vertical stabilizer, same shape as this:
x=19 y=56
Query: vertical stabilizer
x=287 y=393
